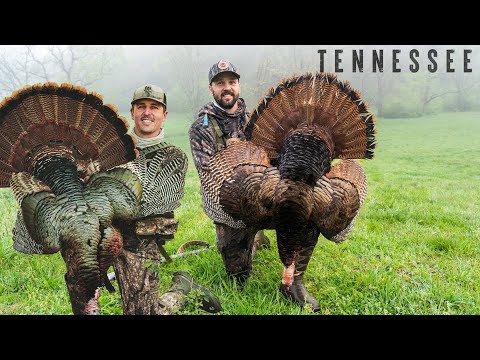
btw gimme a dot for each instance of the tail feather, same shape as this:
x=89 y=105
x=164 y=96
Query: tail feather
x=318 y=101
x=42 y=119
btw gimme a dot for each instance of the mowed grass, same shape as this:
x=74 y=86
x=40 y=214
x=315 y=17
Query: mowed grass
x=413 y=250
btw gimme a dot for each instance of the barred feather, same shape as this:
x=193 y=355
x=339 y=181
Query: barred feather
x=161 y=169
x=22 y=241
x=349 y=171
x=234 y=179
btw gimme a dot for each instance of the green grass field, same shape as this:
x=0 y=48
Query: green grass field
x=414 y=248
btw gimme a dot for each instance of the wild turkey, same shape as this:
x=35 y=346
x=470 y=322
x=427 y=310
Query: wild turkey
x=295 y=172
x=73 y=170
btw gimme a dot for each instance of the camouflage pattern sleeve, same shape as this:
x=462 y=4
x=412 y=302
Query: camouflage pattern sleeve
x=202 y=143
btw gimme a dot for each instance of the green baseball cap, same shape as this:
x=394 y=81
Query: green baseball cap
x=149 y=91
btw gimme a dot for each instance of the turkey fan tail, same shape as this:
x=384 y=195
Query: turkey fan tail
x=162 y=180
x=320 y=106
x=65 y=120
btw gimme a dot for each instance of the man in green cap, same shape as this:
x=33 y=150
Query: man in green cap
x=138 y=282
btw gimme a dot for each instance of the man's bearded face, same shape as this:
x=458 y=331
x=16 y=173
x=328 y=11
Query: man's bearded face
x=226 y=98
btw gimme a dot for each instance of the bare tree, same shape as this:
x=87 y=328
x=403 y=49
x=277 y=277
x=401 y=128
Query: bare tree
x=186 y=64
x=464 y=84
x=14 y=68
x=381 y=82
x=429 y=93
x=263 y=78
x=439 y=84
x=82 y=65
x=273 y=64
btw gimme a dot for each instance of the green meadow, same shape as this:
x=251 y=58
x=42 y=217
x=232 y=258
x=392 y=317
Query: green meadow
x=413 y=250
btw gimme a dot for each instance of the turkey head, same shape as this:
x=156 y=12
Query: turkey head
x=59 y=151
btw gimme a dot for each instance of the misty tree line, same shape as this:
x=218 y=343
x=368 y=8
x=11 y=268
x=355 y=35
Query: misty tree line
x=182 y=71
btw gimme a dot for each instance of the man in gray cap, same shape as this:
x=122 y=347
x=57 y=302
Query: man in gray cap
x=138 y=282
x=219 y=122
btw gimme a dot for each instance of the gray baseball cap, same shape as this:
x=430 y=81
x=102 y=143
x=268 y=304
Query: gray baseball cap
x=220 y=67
x=149 y=91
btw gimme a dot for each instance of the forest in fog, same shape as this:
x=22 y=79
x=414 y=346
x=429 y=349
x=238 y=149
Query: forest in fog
x=397 y=81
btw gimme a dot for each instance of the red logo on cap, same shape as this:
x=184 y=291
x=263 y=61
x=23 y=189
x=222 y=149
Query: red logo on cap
x=222 y=65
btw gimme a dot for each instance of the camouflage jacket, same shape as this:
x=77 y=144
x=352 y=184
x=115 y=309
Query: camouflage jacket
x=211 y=128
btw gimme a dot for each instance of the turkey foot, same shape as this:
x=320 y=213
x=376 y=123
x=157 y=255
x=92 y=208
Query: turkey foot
x=299 y=294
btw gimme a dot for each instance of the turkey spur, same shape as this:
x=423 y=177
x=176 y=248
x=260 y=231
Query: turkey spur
x=296 y=172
